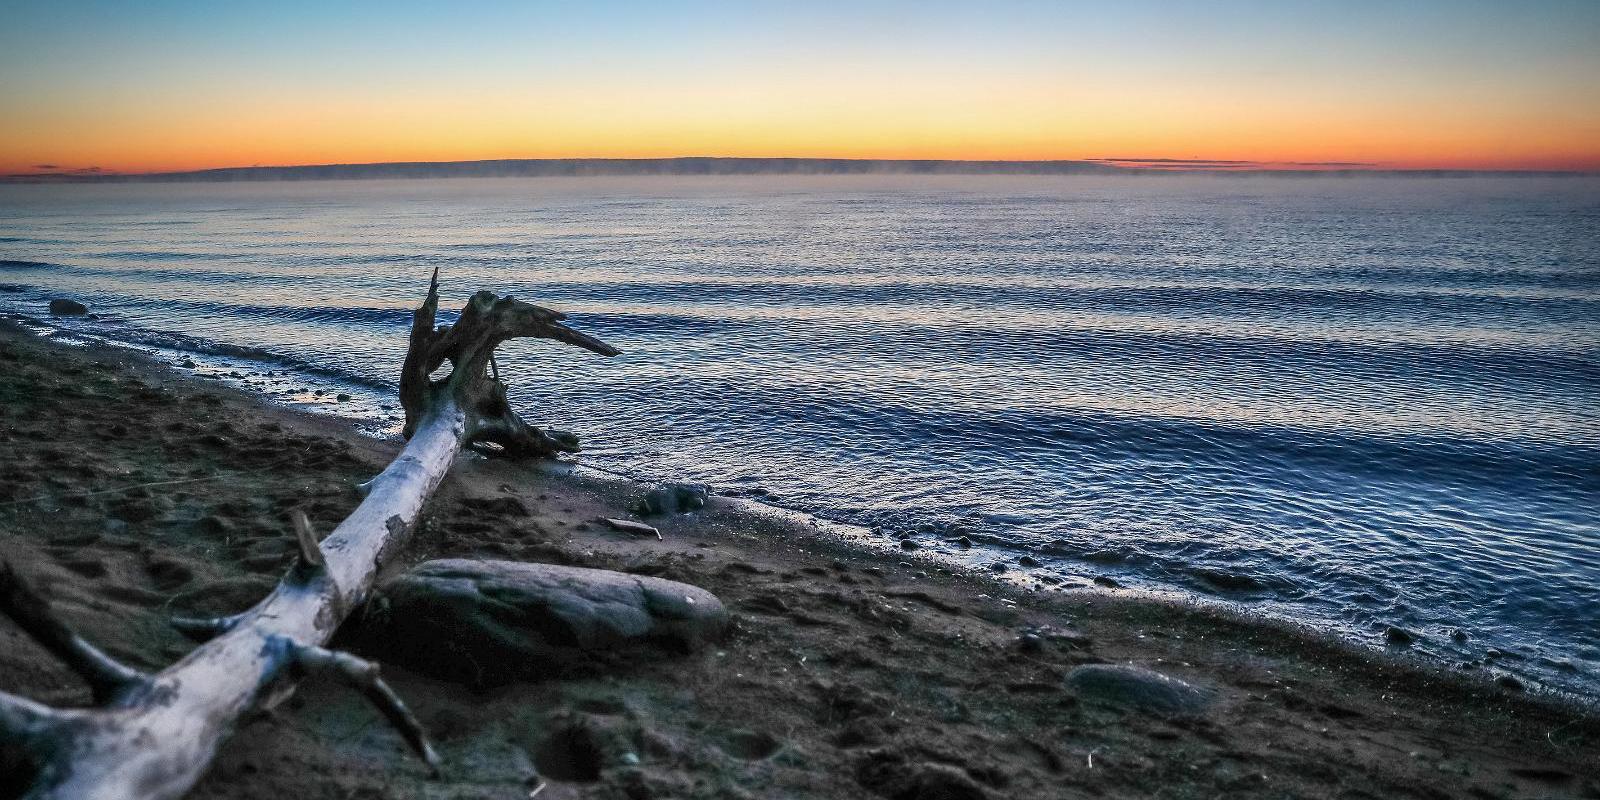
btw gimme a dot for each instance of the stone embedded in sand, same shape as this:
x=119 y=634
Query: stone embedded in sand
x=892 y=775
x=1138 y=688
x=673 y=498
x=502 y=506
x=490 y=622
x=64 y=307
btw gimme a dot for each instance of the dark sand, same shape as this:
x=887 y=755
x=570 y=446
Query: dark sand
x=846 y=669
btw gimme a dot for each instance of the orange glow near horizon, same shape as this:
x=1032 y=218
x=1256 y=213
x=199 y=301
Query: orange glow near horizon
x=155 y=139
x=161 y=87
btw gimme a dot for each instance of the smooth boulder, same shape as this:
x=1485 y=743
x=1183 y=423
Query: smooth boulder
x=1138 y=688
x=490 y=622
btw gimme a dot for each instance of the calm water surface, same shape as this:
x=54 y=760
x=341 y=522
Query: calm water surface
x=1357 y=402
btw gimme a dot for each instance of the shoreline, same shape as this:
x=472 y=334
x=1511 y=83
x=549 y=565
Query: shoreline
x=934 y=660
x=371 y=408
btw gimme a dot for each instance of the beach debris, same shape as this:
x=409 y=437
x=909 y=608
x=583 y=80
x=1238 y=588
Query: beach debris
x=490 y=622
x=62 y=307
x=153 y=735
x=673 y=498
x=1137 y=688
x=629 y=526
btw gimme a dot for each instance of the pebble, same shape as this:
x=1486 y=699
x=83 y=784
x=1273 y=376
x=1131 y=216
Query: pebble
x=909 y=544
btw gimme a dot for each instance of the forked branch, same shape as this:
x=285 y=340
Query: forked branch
x=493 y=428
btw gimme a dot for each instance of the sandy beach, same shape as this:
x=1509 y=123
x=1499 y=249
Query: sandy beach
x=130 y=493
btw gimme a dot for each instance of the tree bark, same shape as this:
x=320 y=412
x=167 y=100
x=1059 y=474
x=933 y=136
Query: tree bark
x=154 y=735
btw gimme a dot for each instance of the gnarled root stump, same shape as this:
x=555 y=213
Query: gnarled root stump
x=153 y=735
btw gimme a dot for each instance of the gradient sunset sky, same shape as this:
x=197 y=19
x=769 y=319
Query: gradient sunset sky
x=154 y=86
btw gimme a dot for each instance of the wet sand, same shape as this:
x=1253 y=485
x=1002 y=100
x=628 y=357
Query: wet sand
x=129 y=493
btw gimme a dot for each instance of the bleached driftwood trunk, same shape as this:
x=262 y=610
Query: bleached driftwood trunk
x=153 y=735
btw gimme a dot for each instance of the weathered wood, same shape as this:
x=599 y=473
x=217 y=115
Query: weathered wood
x=153 y=736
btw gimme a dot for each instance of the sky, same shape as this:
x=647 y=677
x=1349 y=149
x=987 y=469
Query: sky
x=158 y=86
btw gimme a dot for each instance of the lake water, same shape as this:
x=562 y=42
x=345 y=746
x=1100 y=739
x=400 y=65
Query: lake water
x=1355 y=402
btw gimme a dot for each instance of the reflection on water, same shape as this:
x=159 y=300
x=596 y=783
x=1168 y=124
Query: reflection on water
x=1359 y=401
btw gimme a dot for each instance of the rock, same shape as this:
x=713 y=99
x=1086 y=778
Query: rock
x=1508 y=682
x=1138 y=688
x=673 y=498
x=750 y=745
x=342 y=397
x=629 y=526
x=501 y=506
x=490 y=622
x=894 y=777
x=1398 y=636
x=1107 y=581
x=1229 y=581
x=909 y=544
x=1460 y=636
x=963 y=542
x=1028 y=561
x=168 y=573
x=64 y=307
x=216 y=525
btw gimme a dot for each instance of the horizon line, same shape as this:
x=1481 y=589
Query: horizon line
x=1100 y=165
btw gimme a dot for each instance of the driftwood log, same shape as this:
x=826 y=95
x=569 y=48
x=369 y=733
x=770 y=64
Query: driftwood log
x=154 y=735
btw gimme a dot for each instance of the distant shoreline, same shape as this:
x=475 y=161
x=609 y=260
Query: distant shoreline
x=716 y=166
